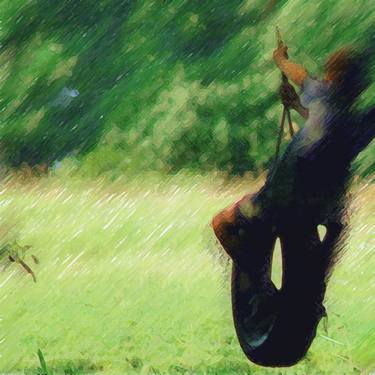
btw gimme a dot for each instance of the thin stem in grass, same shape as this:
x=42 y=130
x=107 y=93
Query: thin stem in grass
x=43 y=365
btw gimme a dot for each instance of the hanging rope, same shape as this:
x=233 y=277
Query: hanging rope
x=288 y=96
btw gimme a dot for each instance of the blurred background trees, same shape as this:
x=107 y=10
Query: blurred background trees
x=130 y=85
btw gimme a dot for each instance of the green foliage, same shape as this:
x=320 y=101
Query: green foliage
x=181 y=84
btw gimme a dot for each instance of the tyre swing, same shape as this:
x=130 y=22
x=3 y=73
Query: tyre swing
x=276 y=327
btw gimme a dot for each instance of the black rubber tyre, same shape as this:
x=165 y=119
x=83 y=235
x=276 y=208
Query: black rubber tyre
x=275 y=328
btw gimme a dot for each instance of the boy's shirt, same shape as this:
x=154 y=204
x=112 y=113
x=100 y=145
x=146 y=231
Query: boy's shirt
x=299 y=178
x=315 y=97
x=310 y=180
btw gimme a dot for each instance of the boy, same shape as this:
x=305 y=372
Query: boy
x=305 y=188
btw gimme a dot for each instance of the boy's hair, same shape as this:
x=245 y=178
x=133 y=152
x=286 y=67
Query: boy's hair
x=347 y=71
x=340 y=63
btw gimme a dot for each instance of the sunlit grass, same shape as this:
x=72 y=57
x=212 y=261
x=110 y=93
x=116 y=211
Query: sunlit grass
x=130 y=280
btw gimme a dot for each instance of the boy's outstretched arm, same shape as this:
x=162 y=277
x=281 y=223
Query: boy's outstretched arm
x=295 y=72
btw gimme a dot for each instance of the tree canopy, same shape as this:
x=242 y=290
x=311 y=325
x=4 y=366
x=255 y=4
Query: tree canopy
x=160 y=84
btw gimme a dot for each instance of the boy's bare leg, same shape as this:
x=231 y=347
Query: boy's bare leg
x=225 y=227
x=228 y=226
x=246 y=237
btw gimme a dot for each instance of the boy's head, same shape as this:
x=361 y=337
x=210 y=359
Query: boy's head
x=346 y=70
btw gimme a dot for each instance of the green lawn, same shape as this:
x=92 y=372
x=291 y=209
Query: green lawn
x=130 y=281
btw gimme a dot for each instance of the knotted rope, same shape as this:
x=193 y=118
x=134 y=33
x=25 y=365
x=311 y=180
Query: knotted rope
x=288 y=96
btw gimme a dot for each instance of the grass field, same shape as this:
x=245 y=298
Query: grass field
x=130 y=281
